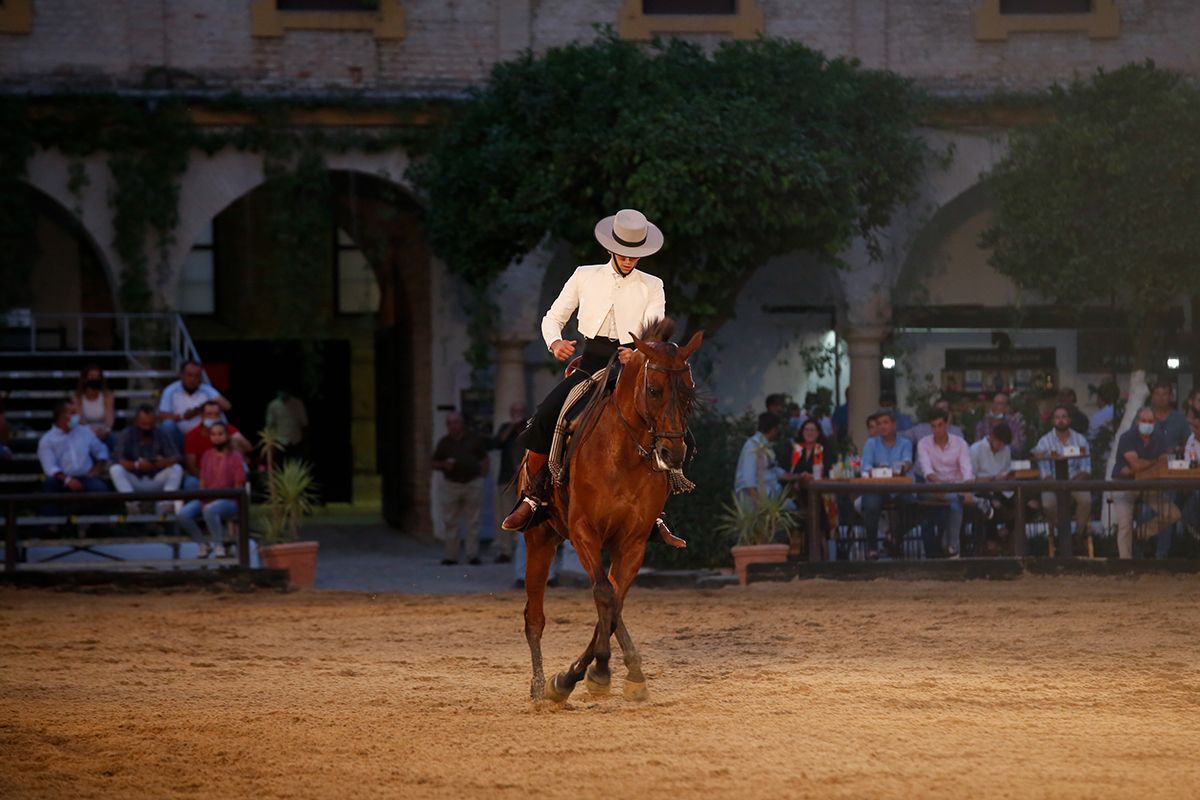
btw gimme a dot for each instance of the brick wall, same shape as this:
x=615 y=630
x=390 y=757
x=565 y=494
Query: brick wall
x=451 y=44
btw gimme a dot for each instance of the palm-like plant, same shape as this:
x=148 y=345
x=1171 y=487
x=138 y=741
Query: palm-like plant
x=755 y=519
x=291 y=493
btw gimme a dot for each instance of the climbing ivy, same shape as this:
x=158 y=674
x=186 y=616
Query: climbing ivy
x=148 y=143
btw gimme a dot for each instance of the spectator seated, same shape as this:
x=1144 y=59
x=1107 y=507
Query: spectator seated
x=198 y=441
x=221 y=467
x=146 y=458
x=72 y=458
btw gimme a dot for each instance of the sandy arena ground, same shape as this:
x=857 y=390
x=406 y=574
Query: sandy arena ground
x=1044 y=687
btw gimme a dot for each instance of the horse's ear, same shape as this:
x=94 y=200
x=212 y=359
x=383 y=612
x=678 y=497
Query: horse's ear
x=640 y=345
x=692 y=345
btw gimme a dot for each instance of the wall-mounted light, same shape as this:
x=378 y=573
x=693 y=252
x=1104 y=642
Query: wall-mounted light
x=1172 y=362
x=888 y=362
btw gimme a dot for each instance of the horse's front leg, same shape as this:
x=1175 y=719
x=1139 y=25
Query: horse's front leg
x=540 y=543
x=587 y=547
x=635 y=679
x=626 y=562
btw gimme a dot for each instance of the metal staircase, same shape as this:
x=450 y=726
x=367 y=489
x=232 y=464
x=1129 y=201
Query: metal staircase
x=41 y=356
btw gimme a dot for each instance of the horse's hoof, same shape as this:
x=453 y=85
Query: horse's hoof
x=553 y=692
x=537 y=690
x=597 y=688
x=636 y=691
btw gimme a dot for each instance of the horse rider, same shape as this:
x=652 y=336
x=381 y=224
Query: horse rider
x=613 y=299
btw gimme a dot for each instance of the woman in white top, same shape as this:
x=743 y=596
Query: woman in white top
x=613 y=299
x=95 y=403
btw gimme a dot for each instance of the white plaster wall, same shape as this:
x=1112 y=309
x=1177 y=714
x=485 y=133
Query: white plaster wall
x=48 y=171
x=757 y=353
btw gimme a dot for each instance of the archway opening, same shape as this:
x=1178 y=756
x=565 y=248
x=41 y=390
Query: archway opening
x=348 y=333
x=50 y=265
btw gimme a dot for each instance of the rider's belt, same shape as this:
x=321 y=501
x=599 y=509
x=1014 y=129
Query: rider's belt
x=596 y=353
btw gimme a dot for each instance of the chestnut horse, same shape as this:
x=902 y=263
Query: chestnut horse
x=617 y=488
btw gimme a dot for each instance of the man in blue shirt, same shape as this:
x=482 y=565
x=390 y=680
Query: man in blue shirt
x=885 y=449
x=756 y=467
x=1140 y=449
x=887 y=400
x=72 y=458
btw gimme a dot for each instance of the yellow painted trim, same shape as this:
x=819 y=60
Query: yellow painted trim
x=745 y=23
x=267 y=21
x=323 y=117
x=16 y=16
x=1103 y=22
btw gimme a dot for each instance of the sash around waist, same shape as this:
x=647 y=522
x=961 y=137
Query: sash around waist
x=596 y=353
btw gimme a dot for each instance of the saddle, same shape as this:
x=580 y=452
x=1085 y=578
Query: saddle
x=578 y=400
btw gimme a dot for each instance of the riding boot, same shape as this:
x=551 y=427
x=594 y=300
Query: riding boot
x=665 y=534
x=537 y=491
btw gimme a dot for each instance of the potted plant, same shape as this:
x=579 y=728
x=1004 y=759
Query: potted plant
x=291 y=496
x=754 y=520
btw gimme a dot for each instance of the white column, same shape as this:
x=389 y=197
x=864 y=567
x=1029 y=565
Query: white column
x=863 y=345
x=510 y=377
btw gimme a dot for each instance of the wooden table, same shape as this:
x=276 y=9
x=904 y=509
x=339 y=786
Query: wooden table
x=897 y=479
x=1163 y=472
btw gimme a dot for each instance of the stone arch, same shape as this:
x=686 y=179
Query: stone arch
x=214 y=182
x=48 y=173
x=70 y=274
x=388 y=383
x=920 y=261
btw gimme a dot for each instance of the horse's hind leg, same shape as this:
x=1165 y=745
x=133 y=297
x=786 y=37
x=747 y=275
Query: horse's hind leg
x=540 y=543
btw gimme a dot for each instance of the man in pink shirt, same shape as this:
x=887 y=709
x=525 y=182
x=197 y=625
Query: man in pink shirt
x=944 y=458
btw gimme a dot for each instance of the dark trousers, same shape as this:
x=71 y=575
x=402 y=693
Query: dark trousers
x=872 y=510
x=90 y=484
x=539 y=434
x=55 y=486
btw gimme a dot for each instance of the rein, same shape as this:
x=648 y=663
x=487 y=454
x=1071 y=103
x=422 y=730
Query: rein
x=651 y=428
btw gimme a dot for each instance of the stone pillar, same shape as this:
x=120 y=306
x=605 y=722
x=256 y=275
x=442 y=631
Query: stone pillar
x=863 y=347
x=510 y=377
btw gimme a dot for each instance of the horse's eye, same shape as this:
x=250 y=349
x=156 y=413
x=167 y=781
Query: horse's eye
x=653 y=392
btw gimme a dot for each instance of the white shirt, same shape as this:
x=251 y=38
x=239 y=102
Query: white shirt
x=1050 y=443
x=988 y=464
x=950 y=464
x=177 y=400
x=72 y=452
x=1191 y=450
x=597 y=289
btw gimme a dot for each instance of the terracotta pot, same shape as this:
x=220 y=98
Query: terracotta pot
x=744 y=554
x=298 y=558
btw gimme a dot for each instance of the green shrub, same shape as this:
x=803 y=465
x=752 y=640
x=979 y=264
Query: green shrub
x=696 y=516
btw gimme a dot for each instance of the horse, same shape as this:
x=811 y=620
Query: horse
x=619 y=465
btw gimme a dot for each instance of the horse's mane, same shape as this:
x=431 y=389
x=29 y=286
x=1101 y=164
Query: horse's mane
x=657 y=330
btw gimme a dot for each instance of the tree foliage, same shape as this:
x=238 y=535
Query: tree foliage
x=757 y=149
x=1098 y=202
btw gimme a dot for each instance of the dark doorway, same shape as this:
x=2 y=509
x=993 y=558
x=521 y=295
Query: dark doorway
x=316 y=372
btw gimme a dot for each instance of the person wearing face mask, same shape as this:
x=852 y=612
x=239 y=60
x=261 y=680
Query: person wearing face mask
x=1140 y=449
x=198 y=441
x=95 y=404
x=221 y=467
x=72 y=458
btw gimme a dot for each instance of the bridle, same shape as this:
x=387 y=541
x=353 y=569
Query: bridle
x=647 y=455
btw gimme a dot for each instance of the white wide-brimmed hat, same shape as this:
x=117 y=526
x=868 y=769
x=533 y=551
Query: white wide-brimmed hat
x=629 y=233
